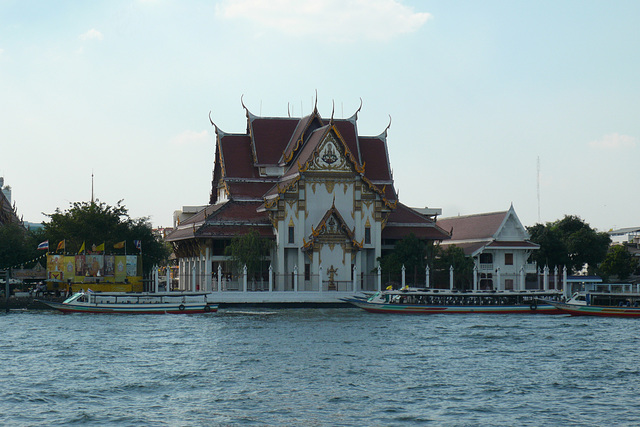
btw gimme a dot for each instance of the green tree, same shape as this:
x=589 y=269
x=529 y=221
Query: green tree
x=569 y=242
x=453 y=256
x=92 y=223
x=251 y=250
x=618 y=262
x=18 y=247
x=409 y=252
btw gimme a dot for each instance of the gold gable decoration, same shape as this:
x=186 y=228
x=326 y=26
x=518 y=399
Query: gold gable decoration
x=331 y=230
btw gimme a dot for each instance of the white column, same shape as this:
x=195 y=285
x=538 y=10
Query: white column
x=379 y=278
x=156 y=279
x=244 y=278
x=475 y=276
x=523 y=283
x=555 y=278
x=403 y=276
x=320 y=278
x=355 y=278
x=219 y=277
x=538 y=278
x=208 y=286
x=546 y=278
x=499 y=284
x=565 y=285
x=427 y=272
x=168 y=277
x=295 y=278
x=270 y=278
x=451 y=277
x=193 y=277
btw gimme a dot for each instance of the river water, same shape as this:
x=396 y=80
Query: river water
x=317 y=367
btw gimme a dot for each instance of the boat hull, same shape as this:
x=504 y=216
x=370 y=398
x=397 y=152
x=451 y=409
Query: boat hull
x=453 y=309
x=134 y=308
x=601 y=311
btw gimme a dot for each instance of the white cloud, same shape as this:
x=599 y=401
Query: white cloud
x=614 y=141
x=190 y=137
x=344 y=20
x=91 y=35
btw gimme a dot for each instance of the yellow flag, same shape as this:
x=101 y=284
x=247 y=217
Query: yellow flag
x=60 y=245
x=100 y=247
x=81 y=248
x=119 y=245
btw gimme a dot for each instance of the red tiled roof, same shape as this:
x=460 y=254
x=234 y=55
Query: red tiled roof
x=249 y=190
x=469 y=247
x=399 y=232
x=230 y=231
x=222 y=218
x=307 y=151
x=237 y=157
x=270 y=138
x=405 y=215
x=239 y=212
x=183 y=233
x=480 y=226
x=375 y=160
x=348 y=132
x=299 y=131
x=403 y=221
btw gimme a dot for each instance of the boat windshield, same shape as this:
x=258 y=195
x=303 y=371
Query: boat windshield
x=374 y=296
x=73 y=297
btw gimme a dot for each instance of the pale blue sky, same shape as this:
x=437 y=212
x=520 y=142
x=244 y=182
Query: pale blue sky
x=477 y=91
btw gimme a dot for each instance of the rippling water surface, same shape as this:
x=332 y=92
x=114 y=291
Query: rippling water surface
x=317 y=367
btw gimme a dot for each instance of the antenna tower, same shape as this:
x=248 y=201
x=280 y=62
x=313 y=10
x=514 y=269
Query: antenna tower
x=538 y=186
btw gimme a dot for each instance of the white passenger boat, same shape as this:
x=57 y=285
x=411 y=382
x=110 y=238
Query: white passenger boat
x=135 y=303
x=435 y=301
x=603 y=304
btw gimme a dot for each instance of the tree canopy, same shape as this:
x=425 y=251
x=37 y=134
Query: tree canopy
x=18 y=247
x=96 y=223
x=618 y=262
x=251 y=250
x=569 y=242
x=453 y=256
x=410 y=252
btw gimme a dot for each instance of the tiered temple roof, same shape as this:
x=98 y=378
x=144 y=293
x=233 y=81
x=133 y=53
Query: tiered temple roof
x=259 y=165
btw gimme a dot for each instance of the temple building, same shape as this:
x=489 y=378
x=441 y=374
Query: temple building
x=500 y=247
x=320 y=192
x=8 y=212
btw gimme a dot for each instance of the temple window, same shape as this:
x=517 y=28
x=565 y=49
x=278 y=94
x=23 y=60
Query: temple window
x=291 y=234
x=508 y=259
x=486 y=258
x=307 y=272
x=367 y=235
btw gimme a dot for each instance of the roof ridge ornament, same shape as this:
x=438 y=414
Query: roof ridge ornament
x=249 y=114
x=333 y=109
x=212 y=124
x=219 y=132
x=388 y=126
x=358 y=110
x=315 y=107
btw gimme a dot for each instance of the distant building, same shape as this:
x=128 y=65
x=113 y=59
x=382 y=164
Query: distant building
x=322 y=193
x=8 y=212
x=499 y=245
x=629 y=237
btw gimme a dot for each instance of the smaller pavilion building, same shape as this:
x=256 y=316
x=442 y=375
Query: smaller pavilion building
x=499 y=245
